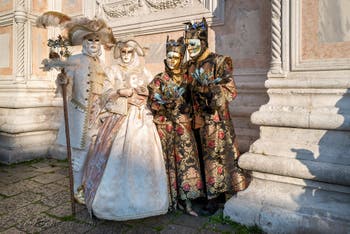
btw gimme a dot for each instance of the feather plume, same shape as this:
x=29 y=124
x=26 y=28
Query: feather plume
x=53 y=19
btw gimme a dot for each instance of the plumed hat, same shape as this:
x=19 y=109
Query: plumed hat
x=197 y=30
x=176 y=46
x=76 y=29
x=128 y=43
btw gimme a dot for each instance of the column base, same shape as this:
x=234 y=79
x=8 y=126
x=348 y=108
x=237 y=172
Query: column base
x=288 y=205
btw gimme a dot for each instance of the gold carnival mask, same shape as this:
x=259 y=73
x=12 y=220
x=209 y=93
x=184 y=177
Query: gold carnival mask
x=173 y=60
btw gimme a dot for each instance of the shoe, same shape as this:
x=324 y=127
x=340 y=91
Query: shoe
x=79 y=196
x=187 y=208
x=210 y=208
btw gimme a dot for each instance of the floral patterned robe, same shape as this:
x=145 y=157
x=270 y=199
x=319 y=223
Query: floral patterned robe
x=170 y=104
x=213 y=89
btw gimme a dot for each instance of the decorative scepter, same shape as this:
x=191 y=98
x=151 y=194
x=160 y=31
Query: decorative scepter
x=58 y=60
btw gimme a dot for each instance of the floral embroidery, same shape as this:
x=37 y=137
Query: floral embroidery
x=221 y=135
x=169 y=128
x=179 y=145
x=210 y=96
x=180 y=130
x=211 y=144
x=216 y=118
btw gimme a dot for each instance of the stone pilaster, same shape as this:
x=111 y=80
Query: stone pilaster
x=301 y=162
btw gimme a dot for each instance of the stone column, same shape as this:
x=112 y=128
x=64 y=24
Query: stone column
x=301 y=162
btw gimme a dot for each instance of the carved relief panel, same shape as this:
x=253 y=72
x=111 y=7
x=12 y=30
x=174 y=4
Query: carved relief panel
x=140 y=17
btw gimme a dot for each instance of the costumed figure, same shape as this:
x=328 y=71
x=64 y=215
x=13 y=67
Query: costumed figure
x=170 y=102
x=125 y=175
x=87 y=85
x=213 y=89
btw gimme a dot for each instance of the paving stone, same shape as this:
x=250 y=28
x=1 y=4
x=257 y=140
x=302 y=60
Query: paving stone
x=40 y=164
x=108 y=227
x=176 y=229
x=22 y=214
x=27 y=175
x=37 y=223
x=9 y=205
x=19 y=187
x=14 y=169
x=85 y=217
x=141 y=230
x=48 y=169
x=48 y=189
x=7 y=178
x=48 y=178
x=56 y=199
x=61 y=211
x=158 y=220
x=63 y=171
x=191 y=221
x=64 y=182
x=69 y=227
x=13 y=230
x=30 y=196
x=205 y=231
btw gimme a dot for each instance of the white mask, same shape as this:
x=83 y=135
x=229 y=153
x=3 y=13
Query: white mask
x=92 y=45
x=127 y=54
x=193 y=47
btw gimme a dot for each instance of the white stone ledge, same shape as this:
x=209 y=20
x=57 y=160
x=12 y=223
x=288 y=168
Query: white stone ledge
x=339 y=153
x=26 y=146
x=313 y=120
x=311 y=82
x=23 y=141
x=304 y=169
x=29 y=119
x=302 y=182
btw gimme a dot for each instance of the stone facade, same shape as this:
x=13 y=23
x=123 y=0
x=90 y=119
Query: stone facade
x=301 y=162
x=292 y=69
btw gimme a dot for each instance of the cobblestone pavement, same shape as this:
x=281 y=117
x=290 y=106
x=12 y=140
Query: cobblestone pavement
x=34 y=198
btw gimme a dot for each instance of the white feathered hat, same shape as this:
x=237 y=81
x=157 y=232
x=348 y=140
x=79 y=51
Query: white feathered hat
x=77 y=29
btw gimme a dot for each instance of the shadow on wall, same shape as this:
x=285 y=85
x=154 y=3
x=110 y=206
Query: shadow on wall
x=246 y=37
x=328 y=202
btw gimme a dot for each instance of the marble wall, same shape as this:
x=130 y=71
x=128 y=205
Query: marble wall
x=245 y=37
x=301 y=160
x=325 y=29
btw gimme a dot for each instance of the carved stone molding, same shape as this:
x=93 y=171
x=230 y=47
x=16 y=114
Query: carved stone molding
x=141 y=17
x=276 y=63
x=137 y=8
x=20 y=20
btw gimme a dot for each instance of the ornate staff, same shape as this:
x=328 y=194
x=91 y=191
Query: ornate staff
x=57 y=60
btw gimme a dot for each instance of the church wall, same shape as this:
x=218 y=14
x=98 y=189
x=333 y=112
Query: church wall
x=300 y=162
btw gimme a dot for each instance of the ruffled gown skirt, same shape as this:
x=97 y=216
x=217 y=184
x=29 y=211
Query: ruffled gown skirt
x=134 y=183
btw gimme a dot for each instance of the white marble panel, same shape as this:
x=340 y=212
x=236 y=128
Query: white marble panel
x=334 y=20
x=5 y=50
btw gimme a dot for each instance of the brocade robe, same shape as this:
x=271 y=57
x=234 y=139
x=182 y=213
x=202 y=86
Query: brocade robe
x=171 y=112
x=213 y=89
